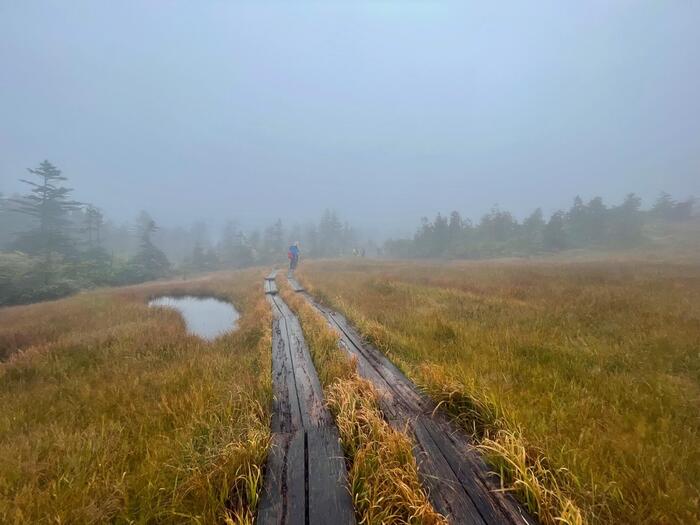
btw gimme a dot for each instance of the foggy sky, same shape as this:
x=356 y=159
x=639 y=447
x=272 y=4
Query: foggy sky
x=384 y=111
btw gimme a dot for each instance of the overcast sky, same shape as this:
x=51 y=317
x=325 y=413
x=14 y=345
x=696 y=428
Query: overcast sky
x=385 y=111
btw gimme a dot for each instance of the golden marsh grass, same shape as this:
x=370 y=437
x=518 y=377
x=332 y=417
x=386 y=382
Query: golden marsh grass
x=112 y=412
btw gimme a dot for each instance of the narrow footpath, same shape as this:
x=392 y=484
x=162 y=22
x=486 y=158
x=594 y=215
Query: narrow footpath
x=459 y=483
x=305 y=476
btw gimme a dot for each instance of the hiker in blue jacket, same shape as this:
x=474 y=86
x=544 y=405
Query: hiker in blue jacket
x=293 y=256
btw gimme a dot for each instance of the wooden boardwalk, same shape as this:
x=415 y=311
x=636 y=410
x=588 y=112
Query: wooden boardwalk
x=458 y=481
x=305 y=476
x=294 y=283
x=270 y=286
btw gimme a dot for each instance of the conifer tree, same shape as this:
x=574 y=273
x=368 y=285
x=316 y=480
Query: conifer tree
x=149 y=262
x=48 y=203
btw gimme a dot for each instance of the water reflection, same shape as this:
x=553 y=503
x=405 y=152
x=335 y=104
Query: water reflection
x=204 y=316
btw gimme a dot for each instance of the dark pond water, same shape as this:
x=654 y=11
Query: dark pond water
x=204 y=316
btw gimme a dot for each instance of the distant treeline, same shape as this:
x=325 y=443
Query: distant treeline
x=52 y=245
x=499 y=234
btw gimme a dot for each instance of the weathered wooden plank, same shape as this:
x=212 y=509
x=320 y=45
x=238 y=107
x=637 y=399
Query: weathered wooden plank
x=286 y=415
x=328 y=491
x=296 y=286
x=445 y=490
x=487 y=505
x=283 y=497
x=308 y=387
x=272 y=275
x=297 y=500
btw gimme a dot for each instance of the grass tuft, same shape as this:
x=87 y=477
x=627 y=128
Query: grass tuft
x=383 y=473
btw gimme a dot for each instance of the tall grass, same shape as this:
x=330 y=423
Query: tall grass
x=522 y=467
x=110 y=411
x=383 y=473
x=583 y=375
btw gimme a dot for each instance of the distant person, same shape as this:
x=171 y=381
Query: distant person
x=293 y=256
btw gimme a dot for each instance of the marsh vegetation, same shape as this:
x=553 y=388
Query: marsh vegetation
x=111 y=411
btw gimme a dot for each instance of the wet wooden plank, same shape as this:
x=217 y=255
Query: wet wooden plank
x=286 y=415
x=271 y=276
x=296 y=480
x=444 y=489
x=308 y=387
x=270 y=287
x=283 y=497
x=488 y=506
x=328 y=488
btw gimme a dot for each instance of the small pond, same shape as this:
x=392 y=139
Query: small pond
x=204 y=316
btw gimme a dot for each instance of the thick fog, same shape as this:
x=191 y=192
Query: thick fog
x=383 y=111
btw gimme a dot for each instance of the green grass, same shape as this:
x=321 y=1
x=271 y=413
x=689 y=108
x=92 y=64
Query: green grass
x=589 y=371
x=109 y=411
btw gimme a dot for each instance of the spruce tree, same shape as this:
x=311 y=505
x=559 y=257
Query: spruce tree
x=48 y=203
